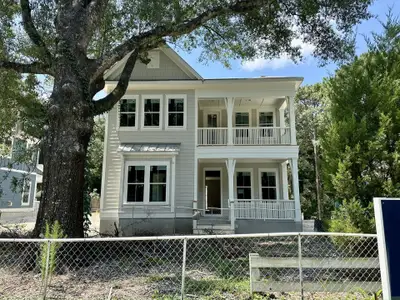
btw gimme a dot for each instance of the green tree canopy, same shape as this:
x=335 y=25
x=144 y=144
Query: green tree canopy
x=361 y=145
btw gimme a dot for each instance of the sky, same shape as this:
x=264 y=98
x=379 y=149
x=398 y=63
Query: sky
x=283 y=66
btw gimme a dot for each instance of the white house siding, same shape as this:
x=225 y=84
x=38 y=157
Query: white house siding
x=184 y=179
x=168 y=70
x=239 y=165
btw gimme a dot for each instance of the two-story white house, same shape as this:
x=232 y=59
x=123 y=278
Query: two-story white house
x=184 y=154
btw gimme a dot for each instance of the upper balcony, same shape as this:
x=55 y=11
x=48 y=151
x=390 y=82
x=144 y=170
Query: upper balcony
x=246 y=122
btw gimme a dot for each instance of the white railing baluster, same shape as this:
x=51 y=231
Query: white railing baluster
x=244 y=136
x=259 y=209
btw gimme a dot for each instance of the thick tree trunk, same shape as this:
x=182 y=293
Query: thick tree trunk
x=65 y=147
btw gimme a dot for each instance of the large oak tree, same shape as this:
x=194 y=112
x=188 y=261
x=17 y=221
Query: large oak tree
x=76 y=41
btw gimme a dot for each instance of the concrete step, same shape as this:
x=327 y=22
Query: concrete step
x=213 y=229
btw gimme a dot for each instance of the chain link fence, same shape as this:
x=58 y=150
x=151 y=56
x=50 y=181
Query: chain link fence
x=284 y=266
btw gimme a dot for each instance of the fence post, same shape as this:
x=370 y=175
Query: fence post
x=183 y=268
x=46 y=272
x=300 y=267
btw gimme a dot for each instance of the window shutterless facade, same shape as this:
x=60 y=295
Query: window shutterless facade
x=268 y=184
x=128 y=107
x=152 y=111
x=176 y=112
x=26 y=187
x=244 y=184
x=147 y=182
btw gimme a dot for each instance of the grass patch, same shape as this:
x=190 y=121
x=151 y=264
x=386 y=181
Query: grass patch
x=217 y=288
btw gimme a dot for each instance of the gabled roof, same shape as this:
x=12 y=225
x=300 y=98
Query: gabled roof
x=168 y=51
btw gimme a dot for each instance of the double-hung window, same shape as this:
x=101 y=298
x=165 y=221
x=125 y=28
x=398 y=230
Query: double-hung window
x=243 y=184
x=128 y=112
x=176 y=111
x=152 y=111
x=26 y=187
x=268 y=184
x=242 y=124
x=146 y=182
x=266 y=119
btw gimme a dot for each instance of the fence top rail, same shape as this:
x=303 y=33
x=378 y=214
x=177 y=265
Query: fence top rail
x=189 y=237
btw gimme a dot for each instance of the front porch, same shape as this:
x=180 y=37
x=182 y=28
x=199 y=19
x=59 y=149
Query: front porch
x=235 y=190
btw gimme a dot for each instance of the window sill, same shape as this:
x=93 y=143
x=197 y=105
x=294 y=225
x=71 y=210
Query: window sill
x=151 y=129
x=175 y=129
x=127 y=128
x=146 y=204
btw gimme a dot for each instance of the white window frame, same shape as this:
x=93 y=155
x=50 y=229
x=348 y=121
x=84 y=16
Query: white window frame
x=137 y=113
x=146 y=192
x=271 y=170
x=24 y=191
x=177 y=96
x=271 y=110
x=243 y=110
x=237 y=170
x=142 y=112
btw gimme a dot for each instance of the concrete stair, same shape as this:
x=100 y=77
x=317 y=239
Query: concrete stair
x=213 y=226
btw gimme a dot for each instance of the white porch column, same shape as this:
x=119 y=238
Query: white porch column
x=296 y=191
x=281 y=117
x=285 y=184
x=230 y=167
x=292 y=120
x=229 y=102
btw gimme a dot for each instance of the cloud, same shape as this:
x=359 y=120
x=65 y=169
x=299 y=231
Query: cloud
x=280 y=62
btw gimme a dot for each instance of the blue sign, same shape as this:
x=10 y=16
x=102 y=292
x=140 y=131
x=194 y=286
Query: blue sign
x=387 y=215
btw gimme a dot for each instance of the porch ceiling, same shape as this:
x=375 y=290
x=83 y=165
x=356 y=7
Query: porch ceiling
x=242 y=102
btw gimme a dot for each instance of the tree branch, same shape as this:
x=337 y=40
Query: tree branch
x=174 y=30
x=107 y=103
x=31 y=29
x=33 y=68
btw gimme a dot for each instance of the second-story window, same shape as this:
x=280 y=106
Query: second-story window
x=127 y=112
x=176 y=108
x=266 y=119
x=152 y=113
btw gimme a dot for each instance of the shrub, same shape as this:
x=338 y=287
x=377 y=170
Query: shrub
x=352 y=217
x=52 y=232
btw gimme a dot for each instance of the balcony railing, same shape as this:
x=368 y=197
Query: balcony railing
x=212 y=136
x=244 y=136
x=257 y=209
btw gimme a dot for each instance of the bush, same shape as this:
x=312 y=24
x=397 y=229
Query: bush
x=352 y=217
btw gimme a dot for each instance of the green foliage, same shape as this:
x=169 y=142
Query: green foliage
x=95 y=155
x=310 y=122
x=49 y=252
x=361 y=144
x=352 y=217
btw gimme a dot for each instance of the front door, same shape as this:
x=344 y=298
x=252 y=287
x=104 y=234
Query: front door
x=212 y=192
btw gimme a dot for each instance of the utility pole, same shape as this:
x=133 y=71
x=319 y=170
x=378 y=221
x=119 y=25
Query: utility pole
x=315 y=142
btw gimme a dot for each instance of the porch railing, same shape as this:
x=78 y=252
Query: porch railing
x=244 y=136
x=212 y=136
x=258 y=209
x=261 y=135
